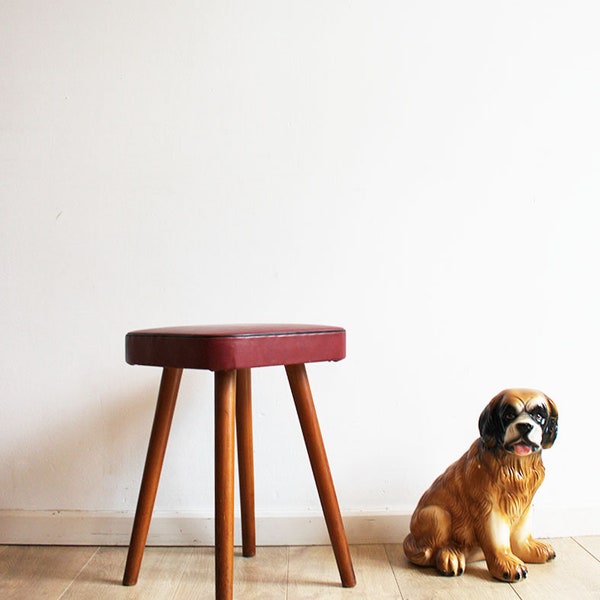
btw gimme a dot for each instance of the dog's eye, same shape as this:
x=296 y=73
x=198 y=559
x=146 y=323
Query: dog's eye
x=510 y=415
x=538 y=415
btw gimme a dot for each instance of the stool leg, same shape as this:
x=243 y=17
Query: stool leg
x=243 y=419
x=224 y=481
x=163 y=417
x=320 y=466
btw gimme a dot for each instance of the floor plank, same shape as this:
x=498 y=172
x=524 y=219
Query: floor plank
x=313 y=574
x=575 y=573
x=591 y=544
x=40 y=572
x=161 y=574
x=180 y=574
x=285 y=573
x=418 y=583
x=262 y=577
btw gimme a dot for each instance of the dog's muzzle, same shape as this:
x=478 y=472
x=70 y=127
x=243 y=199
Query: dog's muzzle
x=522 y=446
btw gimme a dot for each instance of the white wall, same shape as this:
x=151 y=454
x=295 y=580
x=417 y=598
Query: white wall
x=425 y=174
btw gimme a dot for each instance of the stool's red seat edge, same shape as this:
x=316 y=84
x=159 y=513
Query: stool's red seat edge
x=222 y=347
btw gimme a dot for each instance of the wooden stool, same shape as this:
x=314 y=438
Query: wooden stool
x=231 y=351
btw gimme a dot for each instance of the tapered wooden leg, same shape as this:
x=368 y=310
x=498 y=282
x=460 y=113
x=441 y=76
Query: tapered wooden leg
x=243 y=409
x=320 y=466
x=163 y=417
x=224 y=481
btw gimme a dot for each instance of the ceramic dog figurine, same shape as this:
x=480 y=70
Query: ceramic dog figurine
x=481 y=502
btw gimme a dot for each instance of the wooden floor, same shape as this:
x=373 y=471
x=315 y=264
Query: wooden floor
x=284 y=573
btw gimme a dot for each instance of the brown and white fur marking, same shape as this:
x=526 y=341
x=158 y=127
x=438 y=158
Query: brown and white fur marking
x=481 y=503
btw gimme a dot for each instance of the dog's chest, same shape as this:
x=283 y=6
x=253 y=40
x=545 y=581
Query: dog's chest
x=516 y=486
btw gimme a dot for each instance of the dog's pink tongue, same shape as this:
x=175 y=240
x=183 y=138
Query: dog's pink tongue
x=522 y=449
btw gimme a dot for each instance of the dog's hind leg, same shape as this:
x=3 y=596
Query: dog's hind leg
x=430 y=531
x=418 y=554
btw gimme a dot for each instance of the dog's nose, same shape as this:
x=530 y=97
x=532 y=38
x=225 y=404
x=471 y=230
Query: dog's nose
x=524 y=428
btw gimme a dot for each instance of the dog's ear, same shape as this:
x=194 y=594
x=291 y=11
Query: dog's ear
x=490 y=425
x=551 y=427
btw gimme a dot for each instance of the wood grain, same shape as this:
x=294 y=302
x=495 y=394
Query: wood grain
x=575 y=573
x=591 y=544
x=424 y=583
x=40 y=571
x=312 y=574
x=159 y=436
x=224 y=481
x=164 y=571
x=285 y=573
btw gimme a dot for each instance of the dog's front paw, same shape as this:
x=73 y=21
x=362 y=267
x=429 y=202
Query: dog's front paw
x=508 y=568
x=535 y=551
x=450 y=561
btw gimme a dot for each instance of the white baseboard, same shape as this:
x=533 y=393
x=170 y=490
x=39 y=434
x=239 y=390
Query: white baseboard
x=189 y=529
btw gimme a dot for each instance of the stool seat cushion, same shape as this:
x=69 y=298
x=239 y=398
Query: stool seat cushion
x=222 y=347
